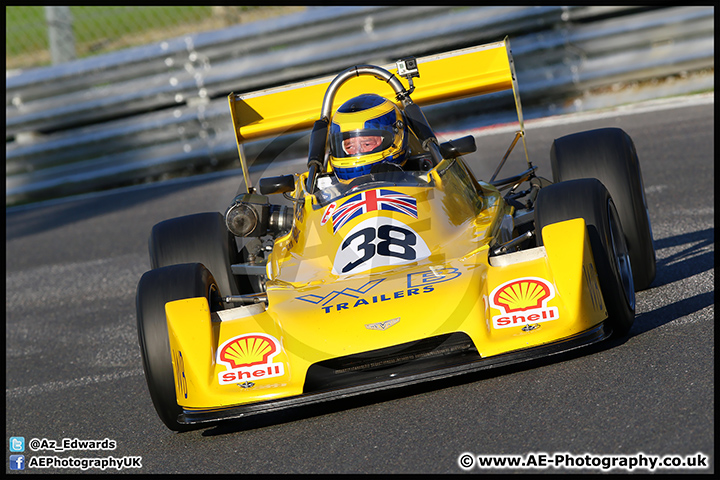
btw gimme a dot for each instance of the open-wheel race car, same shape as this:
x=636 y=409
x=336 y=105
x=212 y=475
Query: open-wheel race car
x=389 y=263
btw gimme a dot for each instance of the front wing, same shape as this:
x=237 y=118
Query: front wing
x=391 y=379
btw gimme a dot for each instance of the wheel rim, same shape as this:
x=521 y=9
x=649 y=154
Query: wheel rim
x=621 y=256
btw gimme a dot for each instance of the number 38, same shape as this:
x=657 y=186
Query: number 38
x=394 y=242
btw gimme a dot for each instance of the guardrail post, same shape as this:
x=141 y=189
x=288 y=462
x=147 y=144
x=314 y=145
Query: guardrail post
x=60 y=34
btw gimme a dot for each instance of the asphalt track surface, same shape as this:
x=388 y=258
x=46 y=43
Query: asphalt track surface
x=74 y=370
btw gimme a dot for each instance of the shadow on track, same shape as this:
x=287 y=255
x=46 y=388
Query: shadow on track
x=694 y=259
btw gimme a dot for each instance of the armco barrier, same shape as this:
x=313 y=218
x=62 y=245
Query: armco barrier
x=161 y=109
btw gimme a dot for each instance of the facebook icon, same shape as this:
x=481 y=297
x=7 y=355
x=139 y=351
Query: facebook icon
x=17 y=462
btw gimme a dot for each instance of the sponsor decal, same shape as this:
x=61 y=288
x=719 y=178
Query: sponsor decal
x=299 y=211
x=418 y=283
x=593 y=284
x=180 y=380
x=346 y=292
x=434 y=275
x=249 y=357
x=328 y=213
x=370 y=201
x=382 y=325
x=523 y=301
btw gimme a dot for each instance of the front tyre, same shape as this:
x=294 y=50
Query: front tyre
x=198 y=238
x=155 y=289
x=609 y=155
x=589 y=199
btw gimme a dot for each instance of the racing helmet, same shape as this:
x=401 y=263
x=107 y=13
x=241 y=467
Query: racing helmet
x=366 y=131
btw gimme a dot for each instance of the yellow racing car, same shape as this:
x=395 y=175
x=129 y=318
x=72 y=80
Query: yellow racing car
x=388 y=263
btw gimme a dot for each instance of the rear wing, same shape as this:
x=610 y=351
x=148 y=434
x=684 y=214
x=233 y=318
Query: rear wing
x=447 y=76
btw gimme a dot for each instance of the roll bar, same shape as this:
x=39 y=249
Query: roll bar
x=352 y=72
x=416 y=119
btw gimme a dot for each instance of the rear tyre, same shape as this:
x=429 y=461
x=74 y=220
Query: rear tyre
x=590 y=200
x=199 y=238
x=155 y=289
x=609 y=155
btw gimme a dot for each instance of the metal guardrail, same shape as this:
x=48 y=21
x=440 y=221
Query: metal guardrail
x=162 y=109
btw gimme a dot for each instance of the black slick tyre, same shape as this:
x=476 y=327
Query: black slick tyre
x=590 y=200
x=199 y=238
x=155 y=289
x=609 y=155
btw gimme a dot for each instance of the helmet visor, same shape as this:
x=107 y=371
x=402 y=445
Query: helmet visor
x=360 y=142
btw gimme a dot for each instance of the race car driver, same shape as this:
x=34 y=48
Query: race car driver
x=367 y=132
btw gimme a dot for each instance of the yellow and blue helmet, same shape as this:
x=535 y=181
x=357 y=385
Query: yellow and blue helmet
x=366 y=131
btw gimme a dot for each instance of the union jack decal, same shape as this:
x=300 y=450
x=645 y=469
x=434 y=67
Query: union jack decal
x=371 y=200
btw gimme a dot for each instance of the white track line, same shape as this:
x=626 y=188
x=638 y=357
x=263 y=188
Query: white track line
x=50 y=387
x=571 y=118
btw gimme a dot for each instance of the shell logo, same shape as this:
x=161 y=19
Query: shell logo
x=522 y=295
x=248 y=351
x=523 y=301
x=249 y=357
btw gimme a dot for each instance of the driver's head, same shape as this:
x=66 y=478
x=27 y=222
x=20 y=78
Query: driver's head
x=366 y=131
x=359 y=145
